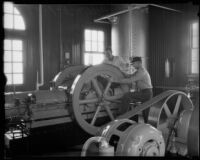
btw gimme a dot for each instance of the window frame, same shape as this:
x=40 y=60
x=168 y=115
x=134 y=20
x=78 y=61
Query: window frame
x=17 y=34
x=20 y=14
x=84 y=43
x=23 y=62
x=191 y=49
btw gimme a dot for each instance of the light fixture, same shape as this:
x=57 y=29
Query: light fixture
x=113 y=20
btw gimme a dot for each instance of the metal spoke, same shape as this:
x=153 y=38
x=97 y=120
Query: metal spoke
x=113 y=98
x=107 y=87
x=167 y=111
x=109 y=112
x=178 y=102
x=95 y=115
x=87 y=101
x=96 y=87
x=163 y=126
x=113 y=101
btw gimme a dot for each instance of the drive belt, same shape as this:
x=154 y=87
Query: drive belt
x=147 y=104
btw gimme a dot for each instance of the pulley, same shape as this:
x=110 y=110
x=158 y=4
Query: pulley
x=165 y=113
x=193 y=133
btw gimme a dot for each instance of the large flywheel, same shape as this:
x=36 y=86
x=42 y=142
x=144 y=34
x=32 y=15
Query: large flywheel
x=95 y=100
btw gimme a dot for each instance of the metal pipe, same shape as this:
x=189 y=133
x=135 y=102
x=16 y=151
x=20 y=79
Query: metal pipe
x=136 y=6
x=111 y=15
x=130 y=33
x=163 y=7
x=120 y=12
x=41 y=50
x=61 y=47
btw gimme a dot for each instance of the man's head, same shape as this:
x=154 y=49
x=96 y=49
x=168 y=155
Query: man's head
x=108 y=53
x=136 y=62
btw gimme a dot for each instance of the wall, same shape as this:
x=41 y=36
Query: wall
x=63 y=27
x=157 y=34
x=169 y=34
x=129 y=35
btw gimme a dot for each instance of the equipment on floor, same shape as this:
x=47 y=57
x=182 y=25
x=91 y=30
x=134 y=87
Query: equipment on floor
x=170 y=117
x=86 y=96
x=129 y=138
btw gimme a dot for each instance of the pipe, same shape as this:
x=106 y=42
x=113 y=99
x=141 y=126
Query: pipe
x=130 y=33
x=136 y=6
x=41 y=51
x=163 y=7
x=61 y=46
x=120 y=12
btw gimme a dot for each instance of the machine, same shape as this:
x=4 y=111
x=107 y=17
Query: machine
x=86 y=96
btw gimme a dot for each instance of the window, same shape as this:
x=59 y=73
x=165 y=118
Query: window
x=195 y=48
x=13 y=45
x=12 y=17
x=13 y=61
x=94 y=47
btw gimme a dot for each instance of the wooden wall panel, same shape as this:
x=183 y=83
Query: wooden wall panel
x=166 y=36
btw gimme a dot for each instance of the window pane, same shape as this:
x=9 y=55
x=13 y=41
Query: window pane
x=8 y=21
x=7 y=44
x=97 y=58
x=88 y=35
x=94 y=35
x=8 y=7
x=88 y=46
x=9 y=78
x=16 y=11
x=17 y=45
x=88 y=59
x=7 y=67
x=195 y=42
x=100 y=47
x=195 y=54
x=100 y=36
x=17 y=56
x=17 y=78
x=18 y=22
x=17 y=67
x=195 y=29
x=7 y=56
x=94 y=46
x=93 y=58
x=195 y=35
x=195 y=67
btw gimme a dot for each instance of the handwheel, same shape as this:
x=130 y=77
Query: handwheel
x=94 y=101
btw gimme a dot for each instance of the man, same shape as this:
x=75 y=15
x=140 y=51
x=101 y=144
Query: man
x=142 y=81
x=115 y=60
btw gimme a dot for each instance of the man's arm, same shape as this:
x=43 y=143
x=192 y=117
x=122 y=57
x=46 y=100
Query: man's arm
x=137 y=76
x=122 y=64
